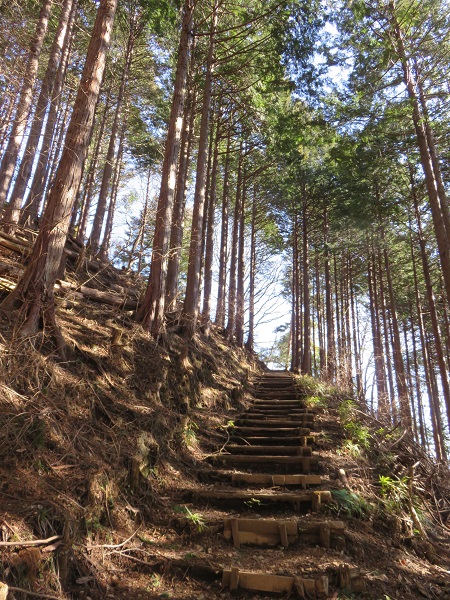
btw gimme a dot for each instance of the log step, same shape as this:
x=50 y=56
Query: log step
x=302 y=462
x=265 y=582
x=280 y=423
x=299 y=440
x=269 y=450
x=280 y=402
x=287 y=416
x=279 y=431
x=269 y=479
x=274 y=532
x=315 y=498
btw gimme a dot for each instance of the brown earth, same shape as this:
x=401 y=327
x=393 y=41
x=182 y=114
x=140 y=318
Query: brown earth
x=107 y=450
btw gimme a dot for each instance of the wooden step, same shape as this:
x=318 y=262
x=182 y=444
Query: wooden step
x=297 y=408
x=298 y=440
x=268 y=431
x=280 y=423
x=314 y=498
x=302 y=464
x=274 y=479
x=266 y=480
x=269 y=450
x=271 y=416
x=274 y=532
x=265 y=582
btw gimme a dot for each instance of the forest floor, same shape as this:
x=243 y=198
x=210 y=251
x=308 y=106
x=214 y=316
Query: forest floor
x=98 y=456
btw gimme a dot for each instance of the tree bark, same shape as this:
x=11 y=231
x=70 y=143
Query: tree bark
x=151 y=312
x=35 y=290
x=223 y=254
x=231 y=323
x=106 y=242
x=331 y=347
x=12 y=211
x=439 y=211
x=206 y=313
x=249 y=344
x=31 y=209
x=94 y=239
x=240 y=288
x=176 y=233
x=23 y=106
x=305 y=366
x=295 y=326
x=191 y=300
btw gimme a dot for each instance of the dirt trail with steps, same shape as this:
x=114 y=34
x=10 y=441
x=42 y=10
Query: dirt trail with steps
x=269 y=493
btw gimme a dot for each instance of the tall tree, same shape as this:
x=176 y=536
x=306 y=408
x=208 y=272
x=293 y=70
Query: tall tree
x=34 y=293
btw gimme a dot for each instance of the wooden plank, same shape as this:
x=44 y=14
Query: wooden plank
x=298 y=440
x=282 y=527
x=270 y=532
x=275 y=479
x=272 y=423
x=234 y=578
x=280 y=431
x=234 y=528
x=232 y=495
x=266 y=582
x=269 y=450
x=261 y=526
x=235 y=459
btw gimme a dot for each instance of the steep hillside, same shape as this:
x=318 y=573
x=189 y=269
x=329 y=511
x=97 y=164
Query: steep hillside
x=103 y=457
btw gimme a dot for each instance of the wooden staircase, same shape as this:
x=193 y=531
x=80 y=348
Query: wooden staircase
x=269 y=463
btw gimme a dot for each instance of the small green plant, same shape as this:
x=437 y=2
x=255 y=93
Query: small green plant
x=350 y=503
x=315 y=402
x=194 y=518
x=156 y=581
x=253 y=502
x=190 y=433
x=351 y=449
x=358 y=433
x=394 y=492
x=347 y=410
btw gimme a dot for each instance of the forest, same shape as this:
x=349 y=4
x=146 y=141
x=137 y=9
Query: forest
x=206 y=166
x=292 y=150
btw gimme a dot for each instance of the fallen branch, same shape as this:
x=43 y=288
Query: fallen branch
x=33 y=542
x=113 y=545
x=98 y=296
x=36 y=594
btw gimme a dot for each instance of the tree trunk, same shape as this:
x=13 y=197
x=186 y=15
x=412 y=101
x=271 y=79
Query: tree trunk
x=176 y=233
x=305 y=366
x=151 y=312
x=249 y=344
x=35 y=290
x=295 y=327
x=12 y=212
x=439 y=212
x=383 y=313
x=31 y=209
x=94 y=239
x=399 y=365
x=221 y=296
x=443 y=370
x=209 y=253
x=380 y=373
x=190 y=307
x=240 y=296
x=438 y=441
x=331 y=348
x=106 y=242
x=231 y=324
x=90 y=181
x=23 y=106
